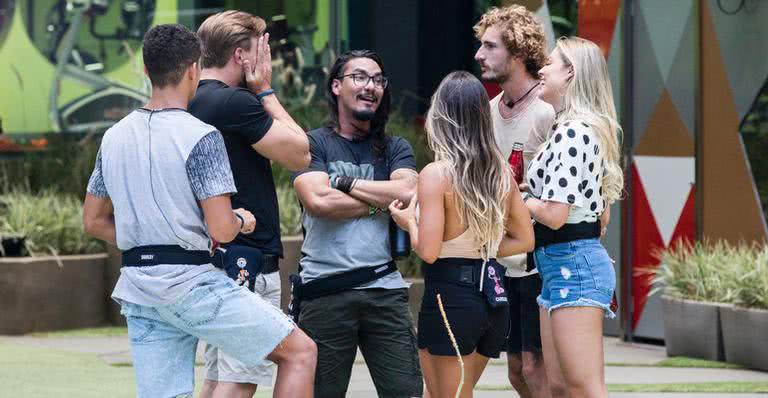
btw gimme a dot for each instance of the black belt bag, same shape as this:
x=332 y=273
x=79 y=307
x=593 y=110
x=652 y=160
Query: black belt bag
x=546 y=236
x=241 y=263
x=333 y=284
x=488 y=276
x=245 y=263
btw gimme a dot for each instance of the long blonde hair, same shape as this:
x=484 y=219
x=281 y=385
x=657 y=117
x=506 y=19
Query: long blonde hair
x=589 y=97
x=460 y=132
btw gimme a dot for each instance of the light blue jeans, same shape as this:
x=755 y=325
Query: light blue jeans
x=164 y=339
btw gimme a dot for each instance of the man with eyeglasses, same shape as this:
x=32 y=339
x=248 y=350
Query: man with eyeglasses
x=349 y=293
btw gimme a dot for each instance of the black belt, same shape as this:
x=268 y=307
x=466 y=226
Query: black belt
x=143 y=256
x=341 y=282
x=546 y=236
x=471 y=272
x=333 y=284
x=453 y=270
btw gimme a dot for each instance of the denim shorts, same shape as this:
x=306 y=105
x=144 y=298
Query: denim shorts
x=230 y=317
x=222 y=367
x=576 y=274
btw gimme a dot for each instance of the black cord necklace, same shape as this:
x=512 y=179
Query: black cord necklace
x=510 y=104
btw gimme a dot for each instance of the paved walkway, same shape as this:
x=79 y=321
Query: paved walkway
x=116 y=350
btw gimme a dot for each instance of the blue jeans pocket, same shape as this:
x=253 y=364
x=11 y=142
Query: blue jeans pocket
x=601 y=270
x=139 y=329
x=199 y=306
x=558 y=251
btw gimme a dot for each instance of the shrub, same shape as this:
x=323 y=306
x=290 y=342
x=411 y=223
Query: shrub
x=290 y=212
x=751 y=283
x=51 y=223
x=64 y=166
x=715 y=272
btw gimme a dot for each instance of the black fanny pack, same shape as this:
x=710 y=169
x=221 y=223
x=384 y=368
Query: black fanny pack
x=488 y=276
x=333 y=284
x=241 y=263
x=546 y=236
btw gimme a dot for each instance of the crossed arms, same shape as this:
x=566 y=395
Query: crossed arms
x=319 y=199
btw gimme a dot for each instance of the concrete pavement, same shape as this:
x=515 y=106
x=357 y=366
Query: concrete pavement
x=116 y=350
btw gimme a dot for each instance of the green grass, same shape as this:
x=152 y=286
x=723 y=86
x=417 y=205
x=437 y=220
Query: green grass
x=38 y=372
x=674 y=362
x=679 y=362
x=106 y=331
x=684 y=362
x=713 y=387
x=130 y=364
x=41 y=372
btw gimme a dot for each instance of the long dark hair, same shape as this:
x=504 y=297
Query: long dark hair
x=379 y=122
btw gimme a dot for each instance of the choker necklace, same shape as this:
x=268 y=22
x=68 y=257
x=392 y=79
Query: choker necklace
x=511 y=104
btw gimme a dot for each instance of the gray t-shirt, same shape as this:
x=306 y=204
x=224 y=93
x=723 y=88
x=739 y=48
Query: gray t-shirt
x=156 y=166
x=335 y=246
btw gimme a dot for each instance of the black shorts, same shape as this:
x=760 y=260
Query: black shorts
x=474 y=323
x=525 y=331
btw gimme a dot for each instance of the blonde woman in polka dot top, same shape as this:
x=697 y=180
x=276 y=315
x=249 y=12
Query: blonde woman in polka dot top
x=572 y=181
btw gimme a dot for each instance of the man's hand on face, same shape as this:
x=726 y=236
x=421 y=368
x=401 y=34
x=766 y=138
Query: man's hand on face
x=258 y=71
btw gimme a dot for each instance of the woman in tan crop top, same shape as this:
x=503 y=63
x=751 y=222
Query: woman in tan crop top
x=471 y=211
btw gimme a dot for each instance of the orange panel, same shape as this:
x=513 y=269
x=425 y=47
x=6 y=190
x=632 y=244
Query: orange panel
x=597 y=20
x=665 y=133
x=730 y=206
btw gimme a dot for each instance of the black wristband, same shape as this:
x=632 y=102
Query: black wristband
x=344 y=184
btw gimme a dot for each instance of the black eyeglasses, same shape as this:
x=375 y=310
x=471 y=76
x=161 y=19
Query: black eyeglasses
x=361 y=79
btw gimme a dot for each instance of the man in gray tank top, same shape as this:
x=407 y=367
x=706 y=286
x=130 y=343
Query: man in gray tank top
x=160 y=191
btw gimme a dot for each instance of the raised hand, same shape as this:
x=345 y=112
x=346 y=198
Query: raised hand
x=258 y=72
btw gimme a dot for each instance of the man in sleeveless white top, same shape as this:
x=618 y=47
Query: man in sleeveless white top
x=519 y=118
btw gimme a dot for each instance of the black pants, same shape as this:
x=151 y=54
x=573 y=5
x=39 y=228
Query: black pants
x=525 y=331
x=380 y=323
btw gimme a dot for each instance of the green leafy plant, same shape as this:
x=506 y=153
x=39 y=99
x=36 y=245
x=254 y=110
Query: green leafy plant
x=715 y=272
x=64 y=166
x=50 y=222
x=751 y=283
x=698 y=271
x=290 y=212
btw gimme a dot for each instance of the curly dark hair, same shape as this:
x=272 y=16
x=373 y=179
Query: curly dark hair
x=168 y=51
x=379 y=122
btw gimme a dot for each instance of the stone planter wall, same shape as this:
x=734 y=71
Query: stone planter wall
x=745 y=336
x=112 y=273
x=37 y=294
x=692 y=329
